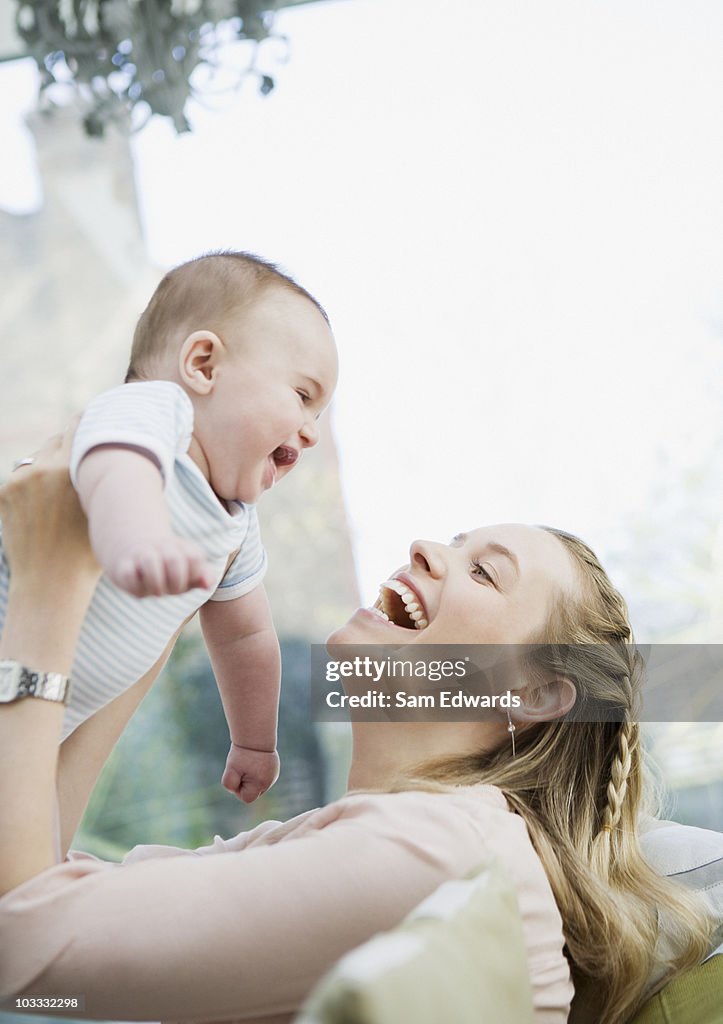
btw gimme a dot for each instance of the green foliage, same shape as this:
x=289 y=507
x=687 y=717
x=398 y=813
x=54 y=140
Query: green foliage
x=119 y=54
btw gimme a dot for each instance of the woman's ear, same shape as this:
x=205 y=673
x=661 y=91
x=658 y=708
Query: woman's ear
x=198 y=359
x=544 y=702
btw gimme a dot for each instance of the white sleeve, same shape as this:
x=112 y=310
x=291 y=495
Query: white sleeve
x=155 y=416
x=248 y=567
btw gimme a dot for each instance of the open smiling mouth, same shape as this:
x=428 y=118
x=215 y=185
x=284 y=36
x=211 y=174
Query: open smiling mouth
x=284 y=455
x=397 y=604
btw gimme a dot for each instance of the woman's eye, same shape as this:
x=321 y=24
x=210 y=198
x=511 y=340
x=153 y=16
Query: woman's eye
x=478 y=569
x=303 y=395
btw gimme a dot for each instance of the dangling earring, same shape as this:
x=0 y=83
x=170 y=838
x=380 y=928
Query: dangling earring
x=511 y=730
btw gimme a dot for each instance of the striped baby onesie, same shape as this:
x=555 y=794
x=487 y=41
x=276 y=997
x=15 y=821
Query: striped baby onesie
x=123 y=636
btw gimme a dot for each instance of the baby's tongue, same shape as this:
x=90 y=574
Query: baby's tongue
x=284 y=456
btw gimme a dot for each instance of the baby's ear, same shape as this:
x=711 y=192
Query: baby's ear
x=198 y=358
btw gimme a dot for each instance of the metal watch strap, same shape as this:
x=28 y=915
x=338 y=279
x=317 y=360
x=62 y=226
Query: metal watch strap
x=18 y=681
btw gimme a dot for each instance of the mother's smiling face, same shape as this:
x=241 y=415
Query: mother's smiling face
x=494 y=585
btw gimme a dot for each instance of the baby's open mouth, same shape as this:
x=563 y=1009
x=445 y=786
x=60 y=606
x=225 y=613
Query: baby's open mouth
x=399 y=605
x=284 y=455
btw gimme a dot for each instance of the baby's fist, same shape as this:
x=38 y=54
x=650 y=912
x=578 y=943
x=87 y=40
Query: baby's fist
x=153 y=568
x=249 y=773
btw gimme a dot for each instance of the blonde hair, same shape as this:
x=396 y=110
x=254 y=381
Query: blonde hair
x=202 y=294
x=578 y=784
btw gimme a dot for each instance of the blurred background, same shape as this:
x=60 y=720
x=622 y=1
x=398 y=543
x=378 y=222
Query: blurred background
x=513 y=213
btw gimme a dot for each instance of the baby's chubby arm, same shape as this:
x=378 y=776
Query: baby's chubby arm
x=121 y=491
x=244 y=652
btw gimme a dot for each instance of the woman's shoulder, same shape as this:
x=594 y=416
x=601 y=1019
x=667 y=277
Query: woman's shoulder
x=463 y=815
x=481 y=802
x=413 y=798
x=477 y=802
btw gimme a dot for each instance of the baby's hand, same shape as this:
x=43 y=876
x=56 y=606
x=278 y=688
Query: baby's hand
x=170 y=565
x=249 y=773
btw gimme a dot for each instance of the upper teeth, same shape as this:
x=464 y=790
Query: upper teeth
x=411 y=604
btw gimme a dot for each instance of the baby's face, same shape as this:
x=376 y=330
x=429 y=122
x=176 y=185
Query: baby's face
x=275 y=380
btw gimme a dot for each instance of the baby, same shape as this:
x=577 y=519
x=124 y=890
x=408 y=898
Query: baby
x=232 y=364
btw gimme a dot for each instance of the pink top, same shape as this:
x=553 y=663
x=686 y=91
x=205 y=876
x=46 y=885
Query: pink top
x=244 y=928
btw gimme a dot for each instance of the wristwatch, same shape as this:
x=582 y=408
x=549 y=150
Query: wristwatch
x=18 y=681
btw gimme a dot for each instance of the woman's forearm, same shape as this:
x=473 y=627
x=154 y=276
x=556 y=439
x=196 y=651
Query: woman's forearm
x=29 y=737
x=39 y=633
x=42 y=626
x=53 y=575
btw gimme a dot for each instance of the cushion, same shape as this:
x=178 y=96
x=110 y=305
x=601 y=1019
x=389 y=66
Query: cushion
x=459 y=956
x=696 y=997
x=694 y=858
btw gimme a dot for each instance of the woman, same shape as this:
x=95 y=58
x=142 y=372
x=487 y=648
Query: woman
x=244 y=929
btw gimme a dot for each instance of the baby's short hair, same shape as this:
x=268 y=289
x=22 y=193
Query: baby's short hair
x=202 y=294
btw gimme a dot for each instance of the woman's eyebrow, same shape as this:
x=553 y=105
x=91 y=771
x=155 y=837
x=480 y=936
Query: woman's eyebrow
x=499 y=549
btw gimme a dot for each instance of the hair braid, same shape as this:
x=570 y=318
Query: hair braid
x=626 y=759
x=628 y=742
x=619 y=772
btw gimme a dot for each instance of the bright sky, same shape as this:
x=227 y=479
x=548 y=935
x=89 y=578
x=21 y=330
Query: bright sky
x=513 y=212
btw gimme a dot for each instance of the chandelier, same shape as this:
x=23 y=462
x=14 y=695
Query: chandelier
x=126 y=60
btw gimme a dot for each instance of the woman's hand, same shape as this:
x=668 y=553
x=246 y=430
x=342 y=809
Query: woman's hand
x=44 y=528
x=53 y=570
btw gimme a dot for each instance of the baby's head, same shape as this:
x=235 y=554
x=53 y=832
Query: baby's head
x=254 y=352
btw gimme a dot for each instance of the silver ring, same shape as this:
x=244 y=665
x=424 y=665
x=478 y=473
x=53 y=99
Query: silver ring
x=23 y=462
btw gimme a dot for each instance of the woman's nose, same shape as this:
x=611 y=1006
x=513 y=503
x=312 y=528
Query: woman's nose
x=309 y=433
x=428 y=556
